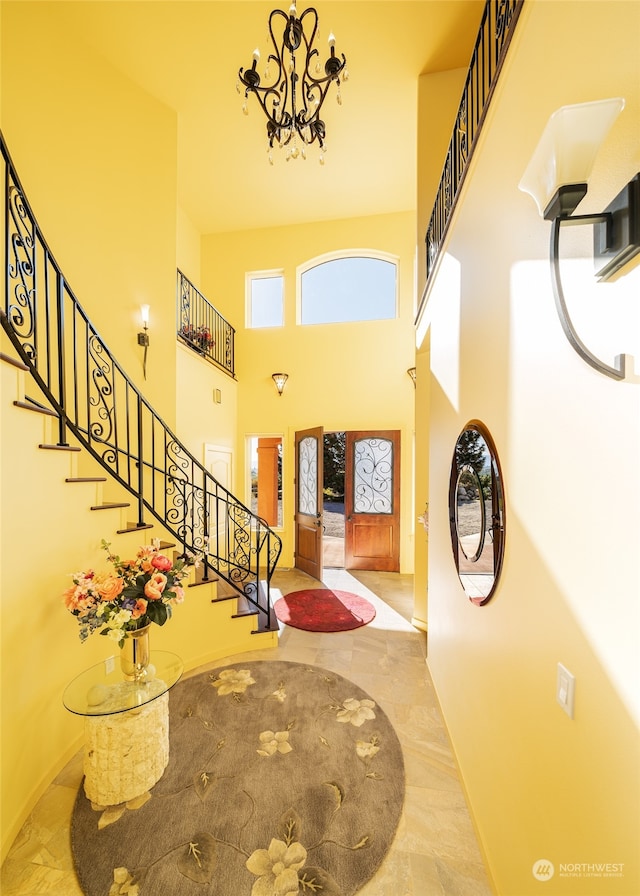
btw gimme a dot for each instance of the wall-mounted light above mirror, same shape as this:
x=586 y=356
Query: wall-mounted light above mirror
x=476 y=512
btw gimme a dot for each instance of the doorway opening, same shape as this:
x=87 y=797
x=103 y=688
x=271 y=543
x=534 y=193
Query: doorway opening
x=334 y=458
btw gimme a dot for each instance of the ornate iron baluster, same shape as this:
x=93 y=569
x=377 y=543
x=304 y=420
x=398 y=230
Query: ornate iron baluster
x=99 y=405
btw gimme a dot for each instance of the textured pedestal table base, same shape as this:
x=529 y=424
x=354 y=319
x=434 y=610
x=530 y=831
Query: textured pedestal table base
x=126 y=753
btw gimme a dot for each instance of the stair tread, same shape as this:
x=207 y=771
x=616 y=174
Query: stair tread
x=34 y=406
x=110 y=505
x=13 y=361
x=134 y=528
x=59 y=447
x=86 y=479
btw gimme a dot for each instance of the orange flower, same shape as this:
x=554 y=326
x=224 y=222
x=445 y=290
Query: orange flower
x=140 y=608
x=110 y=588
x=76 y=598
x=155 y=586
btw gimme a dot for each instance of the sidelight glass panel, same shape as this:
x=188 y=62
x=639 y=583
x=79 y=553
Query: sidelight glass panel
x=308 y=475
x=373 y=476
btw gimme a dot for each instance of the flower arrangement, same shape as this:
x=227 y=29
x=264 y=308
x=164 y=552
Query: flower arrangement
x=138 y=592
x=200 y=336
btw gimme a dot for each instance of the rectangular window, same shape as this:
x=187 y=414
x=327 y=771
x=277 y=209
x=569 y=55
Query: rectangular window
x=265 y=299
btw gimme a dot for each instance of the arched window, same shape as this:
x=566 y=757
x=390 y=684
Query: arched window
x=352 y=287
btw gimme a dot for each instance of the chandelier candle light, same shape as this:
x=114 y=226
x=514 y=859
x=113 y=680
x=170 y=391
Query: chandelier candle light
x=293 y=98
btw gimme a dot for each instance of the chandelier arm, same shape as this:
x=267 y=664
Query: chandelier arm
x=262 y=95
x=576 y=343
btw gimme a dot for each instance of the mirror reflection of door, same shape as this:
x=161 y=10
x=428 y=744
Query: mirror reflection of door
x=308 y=501
x=372 y=500
x=476 y=511
x=470 y=517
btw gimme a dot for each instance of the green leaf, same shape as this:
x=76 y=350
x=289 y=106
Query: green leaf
x=131 y=591
x=157 y=612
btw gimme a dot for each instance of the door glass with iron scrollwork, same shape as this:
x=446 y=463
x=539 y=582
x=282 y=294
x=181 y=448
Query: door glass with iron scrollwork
x=308 y=475
x=308 y=501
x=373 y=476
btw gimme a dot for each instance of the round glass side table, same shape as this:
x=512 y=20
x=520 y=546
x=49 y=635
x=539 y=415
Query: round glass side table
x=126 y=726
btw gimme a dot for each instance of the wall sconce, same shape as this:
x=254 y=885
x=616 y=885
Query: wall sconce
x=279 y=379
x=412 y=373
x=143 y=337
x=557 y=178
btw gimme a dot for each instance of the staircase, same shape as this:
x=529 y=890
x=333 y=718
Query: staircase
x=134 y=468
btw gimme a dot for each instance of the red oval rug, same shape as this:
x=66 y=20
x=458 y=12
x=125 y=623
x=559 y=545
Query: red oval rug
x=324 y=610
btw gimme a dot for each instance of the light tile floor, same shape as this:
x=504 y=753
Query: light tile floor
x=435 y=850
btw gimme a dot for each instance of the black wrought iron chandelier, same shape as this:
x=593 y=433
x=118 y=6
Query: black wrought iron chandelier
x=295 y=88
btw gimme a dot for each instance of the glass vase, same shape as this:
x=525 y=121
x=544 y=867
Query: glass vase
x=135 y=654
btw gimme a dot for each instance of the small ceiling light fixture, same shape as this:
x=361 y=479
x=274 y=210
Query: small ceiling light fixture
x=412 y=373
x=143 y=337
x=556 y=178
x=295 y=89
x=279 y=379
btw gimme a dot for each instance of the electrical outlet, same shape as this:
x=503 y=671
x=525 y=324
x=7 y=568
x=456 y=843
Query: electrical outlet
x=565 y=689
x=109 y=664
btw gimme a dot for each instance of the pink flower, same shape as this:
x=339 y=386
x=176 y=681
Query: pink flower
x=155 y=586
x=179 y=595
x=161 y=562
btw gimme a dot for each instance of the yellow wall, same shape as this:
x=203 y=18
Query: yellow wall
x=97 y=159
x=91 y=149
x=541 y=785
x=341 y=376
x=201 y=420
x=188 y=247
x=438 y=99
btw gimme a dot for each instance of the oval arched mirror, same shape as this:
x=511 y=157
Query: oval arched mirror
x=476 y=512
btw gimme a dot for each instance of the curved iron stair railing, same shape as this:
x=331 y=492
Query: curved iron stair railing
x=98 y=403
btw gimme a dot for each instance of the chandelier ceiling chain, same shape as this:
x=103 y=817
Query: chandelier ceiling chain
x=293 y=99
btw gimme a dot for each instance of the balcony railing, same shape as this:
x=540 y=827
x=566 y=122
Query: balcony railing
x=496 y=30
x=202 y=328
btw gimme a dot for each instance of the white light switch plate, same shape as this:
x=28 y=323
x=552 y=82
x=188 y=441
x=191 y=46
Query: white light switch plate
x=565 y=689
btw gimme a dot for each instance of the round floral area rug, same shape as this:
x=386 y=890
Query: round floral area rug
x=282 y=779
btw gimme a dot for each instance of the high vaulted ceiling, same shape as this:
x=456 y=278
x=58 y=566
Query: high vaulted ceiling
x=187 y=54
